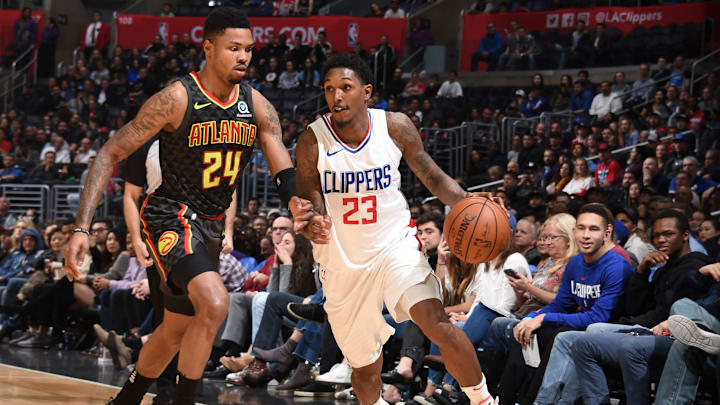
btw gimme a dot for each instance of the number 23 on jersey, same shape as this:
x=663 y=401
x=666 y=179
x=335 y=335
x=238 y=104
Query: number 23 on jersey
x=216 y=160
x=367 y=203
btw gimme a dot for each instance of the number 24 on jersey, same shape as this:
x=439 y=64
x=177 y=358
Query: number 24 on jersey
x=214 y=159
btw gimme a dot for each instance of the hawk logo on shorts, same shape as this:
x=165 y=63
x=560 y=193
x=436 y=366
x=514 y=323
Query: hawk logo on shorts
x=166 y=242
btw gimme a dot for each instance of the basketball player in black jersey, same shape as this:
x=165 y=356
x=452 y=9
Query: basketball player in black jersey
x=207 y=124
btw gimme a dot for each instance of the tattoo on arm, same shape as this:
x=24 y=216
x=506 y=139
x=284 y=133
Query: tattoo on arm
x=406 y=137
x=307 y=177
x=155 y=114
x=270 y=137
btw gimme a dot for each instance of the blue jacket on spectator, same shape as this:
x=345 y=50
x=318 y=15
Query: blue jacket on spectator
x=491 y=44
x=14 y=171
x=533 y=107
x=584 y=102
x=594 y=288
x=20 y=260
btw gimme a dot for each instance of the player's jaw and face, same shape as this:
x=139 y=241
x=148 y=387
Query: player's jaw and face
x=229 y=54
x=590 y=234
x=346 y=95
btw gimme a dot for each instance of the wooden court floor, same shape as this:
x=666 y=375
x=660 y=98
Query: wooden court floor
x=21 y=386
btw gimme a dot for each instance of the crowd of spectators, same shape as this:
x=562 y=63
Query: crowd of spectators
x=651 y=221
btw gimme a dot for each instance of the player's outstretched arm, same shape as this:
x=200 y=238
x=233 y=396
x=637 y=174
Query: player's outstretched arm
x=270 y=134
x=164 y=109
x=406 y=137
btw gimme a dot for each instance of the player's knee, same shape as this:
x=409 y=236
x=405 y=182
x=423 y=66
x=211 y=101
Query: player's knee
x=214 y=310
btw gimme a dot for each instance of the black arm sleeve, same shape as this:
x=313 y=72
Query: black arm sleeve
x=285 y=182
x=135 y=171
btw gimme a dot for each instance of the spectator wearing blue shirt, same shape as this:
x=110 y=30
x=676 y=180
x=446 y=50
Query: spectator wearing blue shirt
x=534 y=105
x=581 y=99
x=491 y=46
x=698 y=184
x=10 y=173
x=591 y=291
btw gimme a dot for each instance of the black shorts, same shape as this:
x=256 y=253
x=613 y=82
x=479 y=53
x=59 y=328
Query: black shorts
x=183 y=245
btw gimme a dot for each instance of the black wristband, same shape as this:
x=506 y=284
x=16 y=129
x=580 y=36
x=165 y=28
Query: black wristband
x=83 y=230
x=285 y=182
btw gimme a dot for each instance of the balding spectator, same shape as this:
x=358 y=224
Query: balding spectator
x=651 y=176
x=84 y=151
x=59 y=146
x=7 y=220
x=698 y=184
x=606 y=104
x=525 y=239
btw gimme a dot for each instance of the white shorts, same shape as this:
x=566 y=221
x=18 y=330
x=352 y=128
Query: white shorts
x=400 y=278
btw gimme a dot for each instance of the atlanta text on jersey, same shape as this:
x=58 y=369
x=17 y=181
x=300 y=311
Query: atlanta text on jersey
x=206 y=133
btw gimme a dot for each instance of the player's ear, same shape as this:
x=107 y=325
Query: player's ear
x=368 y=91
x=207 y=46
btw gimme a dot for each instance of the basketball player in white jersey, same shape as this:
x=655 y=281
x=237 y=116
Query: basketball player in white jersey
x=347 y=168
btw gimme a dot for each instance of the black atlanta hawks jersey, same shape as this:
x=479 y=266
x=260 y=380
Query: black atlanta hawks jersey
x=204 y=158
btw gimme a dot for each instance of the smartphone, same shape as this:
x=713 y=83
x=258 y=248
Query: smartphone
x=512 y=273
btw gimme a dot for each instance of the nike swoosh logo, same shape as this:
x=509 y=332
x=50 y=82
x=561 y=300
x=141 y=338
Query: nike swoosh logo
x=334 y=153
x=199 y=106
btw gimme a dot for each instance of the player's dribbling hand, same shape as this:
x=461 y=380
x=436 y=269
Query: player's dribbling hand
x=311 y=224
x=301 y=210
x=489 y=196
x=74 y=254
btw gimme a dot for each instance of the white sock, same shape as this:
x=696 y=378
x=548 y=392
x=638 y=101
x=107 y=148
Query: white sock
x=381 y=401
x=478 y=394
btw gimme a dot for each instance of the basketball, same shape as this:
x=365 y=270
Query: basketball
x=477 y=230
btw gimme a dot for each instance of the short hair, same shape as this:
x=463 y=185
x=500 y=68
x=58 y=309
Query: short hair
x=684 y=208
x=533 y=227
x=350 y=61
x=221 y=18
x=433 y=217
x=682 y=221
x=597 y=209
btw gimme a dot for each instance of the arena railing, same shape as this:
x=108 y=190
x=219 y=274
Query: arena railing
x=66 y=200
x=565 y=118
x=510 y=125
x=695 y=65
x=24 y=197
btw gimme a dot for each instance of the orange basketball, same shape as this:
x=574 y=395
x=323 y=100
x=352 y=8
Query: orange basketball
x=477 y=230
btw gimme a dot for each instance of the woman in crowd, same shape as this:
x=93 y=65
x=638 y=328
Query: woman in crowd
x=120 y=310
x=561 y=97
x=581 y=180
x=561 y=178
x=657 y=107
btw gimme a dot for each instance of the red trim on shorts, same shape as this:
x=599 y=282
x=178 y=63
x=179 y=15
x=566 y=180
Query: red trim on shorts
x=148 y=239
x=212 y=218
x=188 y=230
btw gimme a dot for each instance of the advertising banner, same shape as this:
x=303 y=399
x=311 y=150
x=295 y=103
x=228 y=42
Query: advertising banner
x=342 y=32
x=623 y=18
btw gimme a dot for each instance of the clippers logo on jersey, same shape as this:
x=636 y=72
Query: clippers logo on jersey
x=166 y=242
x=378 y=178
x=206 y=133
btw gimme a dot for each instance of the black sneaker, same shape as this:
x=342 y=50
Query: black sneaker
x=307 y=312
x=451 y=398
x=219 y=373
x=314 y=390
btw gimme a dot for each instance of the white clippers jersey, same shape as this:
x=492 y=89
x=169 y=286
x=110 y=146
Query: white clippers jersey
x=361 y=188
